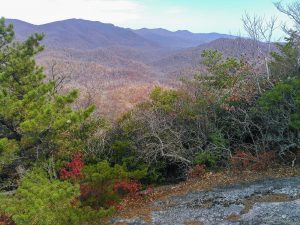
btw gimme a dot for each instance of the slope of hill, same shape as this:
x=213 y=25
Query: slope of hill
x=81 y=34
x=179 y=39
x=116 y=67
x=187 y=62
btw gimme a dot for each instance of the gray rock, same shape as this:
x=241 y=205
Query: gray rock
x=227 y=205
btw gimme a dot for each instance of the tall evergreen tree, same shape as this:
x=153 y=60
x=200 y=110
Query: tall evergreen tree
x=35 y=121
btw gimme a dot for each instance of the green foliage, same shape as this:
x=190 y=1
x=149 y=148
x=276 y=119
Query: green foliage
x=121 y=152
x=130 y=160
x=7 y=151
x=6 y=33
x=164 y=99
x=284 y=99
x=285 y=62
x=36 y=120
x=102 y=172
x=155 y=173
x=224 y=73
x=270 y=124
x=212 y=58
x=39 y=200
x=206 y=158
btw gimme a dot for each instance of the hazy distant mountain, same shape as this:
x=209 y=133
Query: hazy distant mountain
x=179 y=39
x=84 y=34
x=81 y=34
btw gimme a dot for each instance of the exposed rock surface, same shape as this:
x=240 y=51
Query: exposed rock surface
x=264 y=202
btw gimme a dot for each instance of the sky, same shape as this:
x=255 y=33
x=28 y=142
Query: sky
x=199 y=16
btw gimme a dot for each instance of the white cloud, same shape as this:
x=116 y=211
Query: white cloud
x=43 y=11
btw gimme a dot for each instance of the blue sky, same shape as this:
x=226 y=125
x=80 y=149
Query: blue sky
x=222 y=16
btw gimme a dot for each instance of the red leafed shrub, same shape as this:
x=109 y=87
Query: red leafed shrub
x=73 y=169
x=243 y=160
x=127 y=187
x=197 y=171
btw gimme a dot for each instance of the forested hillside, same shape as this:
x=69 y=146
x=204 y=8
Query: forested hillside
x=118 y=64
x=216 y=107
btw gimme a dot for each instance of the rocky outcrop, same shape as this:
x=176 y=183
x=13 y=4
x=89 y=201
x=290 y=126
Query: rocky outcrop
x=269 y=202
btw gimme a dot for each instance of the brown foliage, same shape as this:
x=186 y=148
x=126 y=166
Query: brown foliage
x=197 y=171
x=244 y=160
x=5 y=220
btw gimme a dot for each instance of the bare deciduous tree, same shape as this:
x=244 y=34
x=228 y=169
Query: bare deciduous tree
x=59 y=73
x=292 y=10
x=159 y=138
x=261 y=31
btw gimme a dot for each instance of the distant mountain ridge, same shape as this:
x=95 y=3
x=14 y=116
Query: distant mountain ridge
x=88 y=35
x=179 y=39
x=81 y=34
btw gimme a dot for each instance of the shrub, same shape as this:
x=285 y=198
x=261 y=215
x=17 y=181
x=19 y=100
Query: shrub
x=205 y=158
x=73 y=169
x=127 y=187
x=40 y=201
x=120 y=151
x=285 y=61
x=284 y=98
x=98 y=187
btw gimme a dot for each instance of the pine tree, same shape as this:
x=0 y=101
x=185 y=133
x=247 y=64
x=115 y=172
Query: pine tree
x=35 y=121
x=285 y=61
